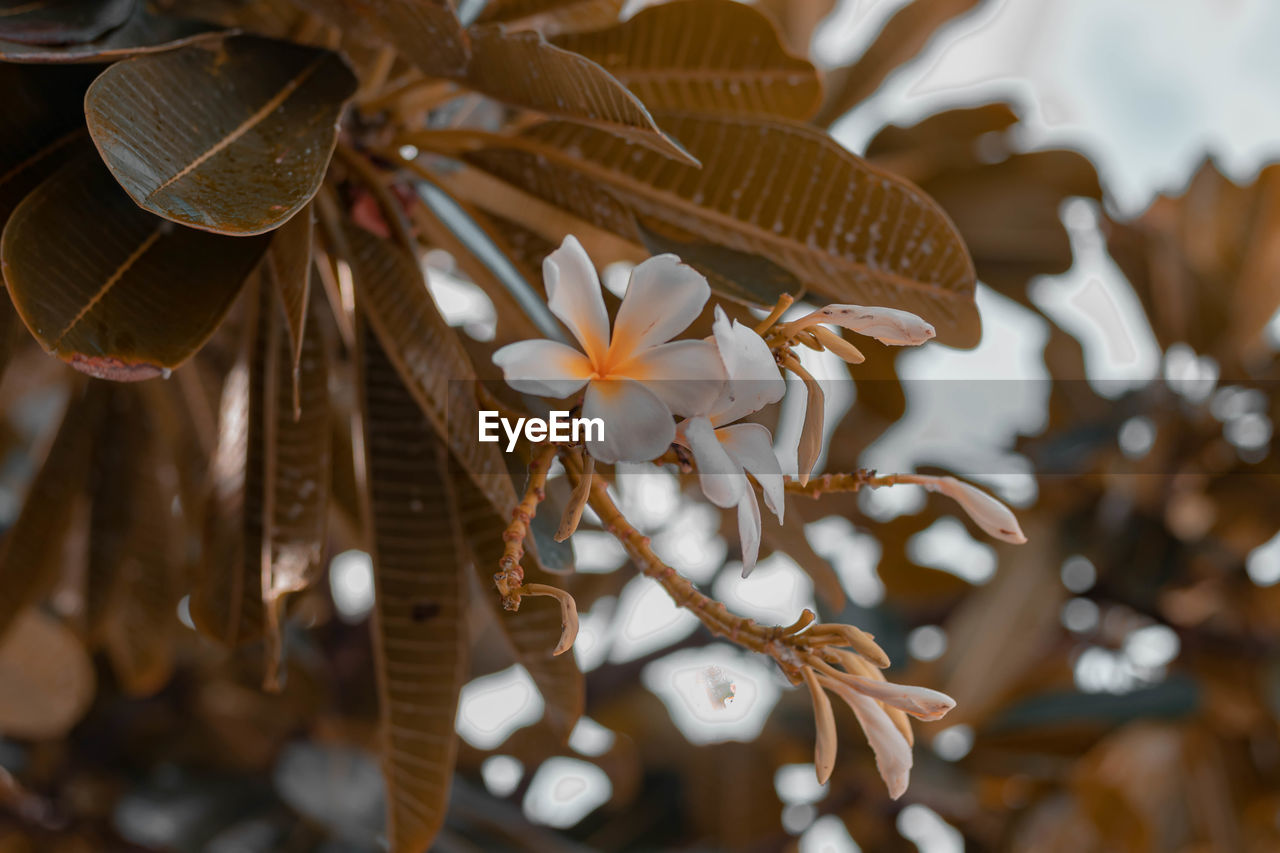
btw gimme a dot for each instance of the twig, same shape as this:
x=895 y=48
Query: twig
x=510 y=575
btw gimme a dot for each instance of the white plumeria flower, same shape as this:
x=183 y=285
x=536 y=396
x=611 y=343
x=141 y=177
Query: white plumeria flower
x=635 y=379
x=725 y=451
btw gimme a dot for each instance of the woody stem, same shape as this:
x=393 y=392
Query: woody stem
x=510 y=575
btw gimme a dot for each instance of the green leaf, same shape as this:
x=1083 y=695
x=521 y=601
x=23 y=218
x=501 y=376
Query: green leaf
x=782 y=191
x=726 y=59
x=244 y=136
x=61 y=21
x=429 y=357
x=420 y=641
x=142 y=33
x=109 y=288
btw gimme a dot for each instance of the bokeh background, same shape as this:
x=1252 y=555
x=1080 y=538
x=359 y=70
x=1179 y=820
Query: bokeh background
x=1117 y=678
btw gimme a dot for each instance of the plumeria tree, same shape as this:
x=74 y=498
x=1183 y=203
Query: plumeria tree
x=638 y=381
x=229 y=225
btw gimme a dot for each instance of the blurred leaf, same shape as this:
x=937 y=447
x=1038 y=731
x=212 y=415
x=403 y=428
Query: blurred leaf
x=429 y=358
x=849 y=231
x=101 y=296
x=296 y=462
x=419 y=639
x=142 y=33
x=561 y=83
x=227 y=595
x=46 y=677
x=727 y=60
x=266 y=523
x=1005 y=203
x=906 y=33
x=288 y=271
x=425 y=32
x=266 y=127
x=137 y=542
x=61 y=21
x=43 y=127
x=551 y=17
x=533 y=631
x=32 y=547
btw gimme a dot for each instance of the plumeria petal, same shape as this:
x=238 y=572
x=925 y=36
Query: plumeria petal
x=686 y=375
x=663 y=297
x=573 y=294
x=893 y=753
x=919 y=702
x=987 y=512
x=754 y=379
x=891 y=326
x=721 y=478
x=637 y=424
x=749 y=529
x=544 y=368
x=751 y=446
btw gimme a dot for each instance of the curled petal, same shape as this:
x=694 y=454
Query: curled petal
x=811 y=431
x=721 y=478
x=890 y=326
x=663 y=297
x=824 y=750
x=573 y=294
x=893 y=753
x=754 y=379
x=751 y=446
x=568 y=613
x=686 y=375
x=987 y=512
x=637 y=424
x=543 y=368
x=749 y=529
x=920 y=702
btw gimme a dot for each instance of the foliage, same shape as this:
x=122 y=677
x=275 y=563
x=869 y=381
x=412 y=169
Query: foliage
x=240 y=198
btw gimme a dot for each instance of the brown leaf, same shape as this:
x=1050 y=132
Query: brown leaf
x=906 y=33
x=46 y=677
x=142 y=33
x=429 y=358
x=551 y=17
x=30 y=551
x=43 y=127
x=62 y=21
x=726 y=60
x=533 y=631
x=288 y=270
x=137 y=541
x=419 y=638
x=849 y=231
x=561 y=83
x=425 y=32
x=265 y=526
x=267 y=125
x=101 y=296
x=295 y=471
